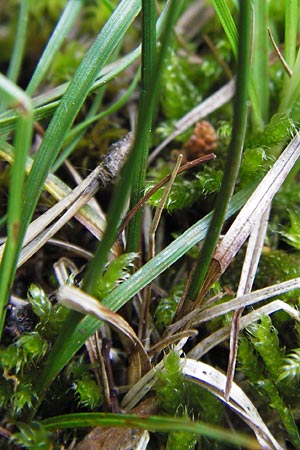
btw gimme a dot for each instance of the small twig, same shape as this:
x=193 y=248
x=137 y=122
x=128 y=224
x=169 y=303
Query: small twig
x=91 y=347
x=216 y=54
x=104 y=376
x=279 y=54
x=113 y=401
x=146 y=197
x=169 y=340
x=159 y=209
x=157 y=216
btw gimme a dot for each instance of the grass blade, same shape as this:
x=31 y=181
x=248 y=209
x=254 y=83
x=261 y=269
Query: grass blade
x=153 y=423
x=65 y=23
x=22 y=142
x=20 y=41
x=235 y=151
x=109 y=37
x=75 y=334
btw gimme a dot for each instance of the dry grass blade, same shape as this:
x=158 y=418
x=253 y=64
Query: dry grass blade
x=87 y=216
x=78 y=300
x=222 y=334
x=246 y=300
x=250 y=214
x=38 y=233
x=200 y=316
x=215 y=382
x=78 y=179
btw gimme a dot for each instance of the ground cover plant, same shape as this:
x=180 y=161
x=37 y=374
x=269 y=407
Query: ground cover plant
x=150 y=221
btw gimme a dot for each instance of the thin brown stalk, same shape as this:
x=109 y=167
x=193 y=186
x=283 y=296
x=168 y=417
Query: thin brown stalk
x=157 y=216
x=255 y=245
x=280 y=55
x=142 y=201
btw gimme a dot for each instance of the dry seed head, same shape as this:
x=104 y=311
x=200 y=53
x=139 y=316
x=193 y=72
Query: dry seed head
x=203 y=140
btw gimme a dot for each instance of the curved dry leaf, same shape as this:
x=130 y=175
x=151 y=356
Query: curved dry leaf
x=78 y=300
x=215 y=382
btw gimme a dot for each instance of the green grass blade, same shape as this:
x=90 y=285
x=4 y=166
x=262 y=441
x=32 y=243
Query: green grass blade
x=291 y=91
x=145 y=116
x=230 y=29
x=78 y=89
x=65 y=23
x=291 y=24
x=228 y=24
x=109 y=37
x=147 y=107
x=232 y=164
x=75 y=137
x=153 y=423
x=127 y=175
x=77 y=132
x=45 y=104
x=74 y=334
x=19 y=44
x=22 y=142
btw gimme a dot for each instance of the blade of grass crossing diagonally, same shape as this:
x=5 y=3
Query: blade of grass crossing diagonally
x=12 y=94
x=45 y=104
x=132 y=166
x=109 y=37
x=77 y=91
x=61 y=352
x=77 y=132
x=69 y=342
